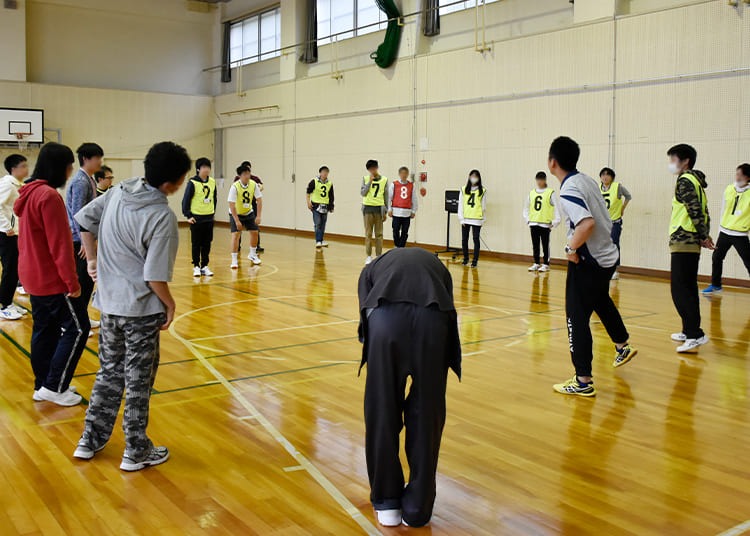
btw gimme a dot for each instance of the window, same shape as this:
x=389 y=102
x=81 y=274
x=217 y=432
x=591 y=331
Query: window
x=255 y=38
x=466 y=4
x=336 y=16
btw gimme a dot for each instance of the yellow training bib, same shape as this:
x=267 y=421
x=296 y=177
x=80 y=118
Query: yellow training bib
x=614 y=202
x=736 y=215
x=245 y=194
x=680 y=217
x=473 y=205
x=202 y=203
x=376 y=194
x=321 y=191
x=541 y=209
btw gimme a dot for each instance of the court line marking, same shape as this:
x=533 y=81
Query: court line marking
x=221 y=282
x=276 y=330
x=474 y=353
x=738 y=529
x=313 y=471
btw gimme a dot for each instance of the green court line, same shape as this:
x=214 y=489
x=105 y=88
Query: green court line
x=13 y=341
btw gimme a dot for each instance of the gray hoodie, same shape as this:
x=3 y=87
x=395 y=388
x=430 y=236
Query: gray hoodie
x=137 y=233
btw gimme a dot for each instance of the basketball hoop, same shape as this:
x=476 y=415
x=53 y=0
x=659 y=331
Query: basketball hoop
x=22 y=138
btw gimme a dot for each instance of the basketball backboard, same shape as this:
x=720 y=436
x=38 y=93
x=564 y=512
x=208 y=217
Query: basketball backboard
x=14 y=121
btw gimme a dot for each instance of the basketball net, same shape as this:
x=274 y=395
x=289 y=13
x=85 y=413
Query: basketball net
x=21 y=137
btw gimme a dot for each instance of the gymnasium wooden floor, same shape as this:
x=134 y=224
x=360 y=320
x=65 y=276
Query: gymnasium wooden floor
x=259 y=401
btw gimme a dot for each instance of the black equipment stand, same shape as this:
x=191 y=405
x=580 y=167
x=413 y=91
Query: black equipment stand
x=451 y=207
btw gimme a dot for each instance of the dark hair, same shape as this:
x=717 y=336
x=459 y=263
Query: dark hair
x=541 y=175
x=99 y=175
x=242 y=169
x=683 y=151
x=745 y=168
x=13 y=161
x=566 y=152
x=166 y=162
x=608 y=171
x=403 y=168
x=202 y=162
x=88 y=150
x=371 y=164
x=323 y=168
x=52 y=164
x=467 y=190
x=246 y=163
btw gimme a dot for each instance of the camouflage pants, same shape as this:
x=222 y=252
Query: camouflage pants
x=128 y=357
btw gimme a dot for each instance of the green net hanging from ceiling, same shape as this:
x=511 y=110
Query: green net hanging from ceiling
x=386 y=53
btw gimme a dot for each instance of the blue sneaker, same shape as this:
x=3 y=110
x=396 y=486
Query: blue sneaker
x=711 y=290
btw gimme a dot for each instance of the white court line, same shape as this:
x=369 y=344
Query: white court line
x=290 y=328
x=649 y=328
x=313 y=471
x=518 y=341
x=344 y=361
x=474 y=353
x=739 y=529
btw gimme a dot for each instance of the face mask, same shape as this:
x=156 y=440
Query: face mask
x=739 y=184
x=673 y=168
x=473 y=180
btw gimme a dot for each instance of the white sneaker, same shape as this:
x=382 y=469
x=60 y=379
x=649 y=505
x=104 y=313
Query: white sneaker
x=91 y=334
x=234 y=265
x=84 y=451
x=20 y=310
x=255 y=259
x=36 y=398
x=21 y=291
x=158 y=455
x=318 y=244
x=534 y=267
x=68 y=398
x=678 y=337
x=544 y=268
x=615 y=276
x=324 y=244
x=206 y=271
x=368 y=260
x=94 y=324
x=196 y=272
x=692 y=345
x=9 y=313
x=389 y=518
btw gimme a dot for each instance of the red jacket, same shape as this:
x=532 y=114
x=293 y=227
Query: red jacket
x=46 y=261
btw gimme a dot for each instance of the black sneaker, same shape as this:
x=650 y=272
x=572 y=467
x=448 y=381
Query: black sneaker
x=259 y=249
x=158 y=455
x=474 y=264
x=623 y=355
x=465 y=263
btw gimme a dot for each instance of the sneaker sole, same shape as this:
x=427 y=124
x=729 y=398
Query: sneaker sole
x=81 y=455
x=131 y=467
x=621 y=363
x=587 y=395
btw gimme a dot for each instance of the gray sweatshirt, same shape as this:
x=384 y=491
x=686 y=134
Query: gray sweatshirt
x=137 y=233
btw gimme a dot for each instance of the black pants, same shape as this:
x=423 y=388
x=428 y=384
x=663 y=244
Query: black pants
x=84 y=279
x=616 y=234
x=684 y=286
x=586 y=292
x=61 y=328
x=724 y=243
x=540 y=236
x=400 y=230
x=474 y=229
x=405 y=340
x=9 y=260
x=201 y=236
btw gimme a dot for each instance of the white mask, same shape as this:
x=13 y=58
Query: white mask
x=739 y=185
x=473 y=180
x=673 y=168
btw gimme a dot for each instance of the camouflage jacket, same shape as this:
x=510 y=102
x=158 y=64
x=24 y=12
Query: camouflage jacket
x=682 y=241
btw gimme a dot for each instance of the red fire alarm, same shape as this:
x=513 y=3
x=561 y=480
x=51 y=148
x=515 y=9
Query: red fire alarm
x=423 y=177
x=423 y=192
x=423 y=161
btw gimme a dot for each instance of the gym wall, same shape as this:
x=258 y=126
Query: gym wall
x=498 y=112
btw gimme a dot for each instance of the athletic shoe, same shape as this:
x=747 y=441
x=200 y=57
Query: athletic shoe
x=574 y=387
x=21 y=291
x=324 y=244
x=94 y=323
x=196 y=272
x=234 y=265
x=158 y=455
x=84 y=451
x=711 y=290
x=678 y=337
x=9 y=313
x=318 y=245
x=206 y=271
x=35 y=397
x=254 y=259
x=691 y=345
x=91 y=334
x=534 y=267
x=465 y=263
x=259 y=249
x=544 y=268
x=474 y=264
x=615 y=276
x=389 y=518
x=68 y=398
x=20 y=310
x=368 y=260
x=623 y=355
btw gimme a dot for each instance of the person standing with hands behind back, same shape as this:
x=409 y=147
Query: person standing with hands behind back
x=374 y=208
x=320 y=203
x=199 y=207
x=471 y=214
x=689 y=228
x=402 y=198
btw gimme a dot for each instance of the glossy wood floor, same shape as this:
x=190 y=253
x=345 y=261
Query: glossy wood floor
x=259 y=401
